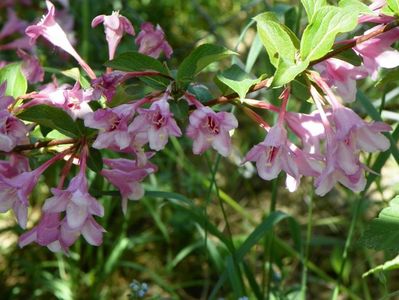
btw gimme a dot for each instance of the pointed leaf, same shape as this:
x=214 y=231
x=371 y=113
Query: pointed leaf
x=16 y=81
x=311 y=6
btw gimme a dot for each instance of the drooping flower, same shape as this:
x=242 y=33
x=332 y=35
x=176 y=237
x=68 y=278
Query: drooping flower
x=152 y=42
x=377 y=53
x=210 y=129
x=126 y=175
x=341 y=76
x=13 y=25
x=53 y=32
x=115 y=26
x=273 y=155
x=156 y=124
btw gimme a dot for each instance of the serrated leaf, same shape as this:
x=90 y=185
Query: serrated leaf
x=238 y=80
x=137 y=62
x=17 y=84
x=393 y=5
x=198 y=59
x=319 y=35
x=53 y=118
x=383 y=232
x=279 y=41
x=311 y=6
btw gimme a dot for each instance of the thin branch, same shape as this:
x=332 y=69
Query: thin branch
x=38 y=145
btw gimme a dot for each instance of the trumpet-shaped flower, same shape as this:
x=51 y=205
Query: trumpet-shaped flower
x=126 y=175
x=210 y=129
x=156 y=124
x=53 y=32
x=151 y=41
x=115 y=26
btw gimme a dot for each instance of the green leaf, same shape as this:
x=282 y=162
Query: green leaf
x=392 y=264
x=16 y=81
x=279 y=41
x=179 y=109
x=238 y=80
x=357 y=5
x=319 y=35
x=137 y=62
x=311 y=6
x=383 y=232
x=393 y=5
x=287 y=71
x=74 y=73
x=198 y=59
x=53 y=118
x=95 y=160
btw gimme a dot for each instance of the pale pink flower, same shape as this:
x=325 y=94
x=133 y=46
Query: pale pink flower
x=210 y=129
x=156 y=123
x=16 y=164
x=20 y=43
x=31 y=67
x=115 y=26
x=377 y=53
x=365 y=136
x=52 y=32
x=126 y=175
x=151 y=41
x=273 y=155
x=341 y=76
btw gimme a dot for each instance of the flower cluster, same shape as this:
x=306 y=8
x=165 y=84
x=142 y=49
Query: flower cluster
x=331 y=138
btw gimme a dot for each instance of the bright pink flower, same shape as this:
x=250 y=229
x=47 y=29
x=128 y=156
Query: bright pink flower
x=151 y=41
x=126 y=175
x=113 y=126
x=210 y=129
x=273 y=155
x=115 y=26
x=52 y=32
x=156 y=124
x=31 y=67
x=377 y=53
x=341 y=77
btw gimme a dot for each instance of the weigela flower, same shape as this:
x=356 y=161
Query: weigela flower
x=273 y=155
x=210 y=129
x=126 y=175
x=31 y=67
x=151 y=41
x=365 y=136
x=341 y=77
x=53 y=32
x=115 y=26
x=156 y=124
x=13 y=25
x=377 y=53
x=113 y=126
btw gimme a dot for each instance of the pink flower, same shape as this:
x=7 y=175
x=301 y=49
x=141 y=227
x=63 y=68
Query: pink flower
x=52 y=32
x=156 y=124
x=351 y=128
x=15 y=165
x=341 y=77
x=115 y=26
x=20 y=43
x=126 y=175
x=5 y=101
x=151 y=41
x=31 y=67
x=12 y=25
x=210 y=129
x=113 y=126
x=377 y=53
x=274 y=155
